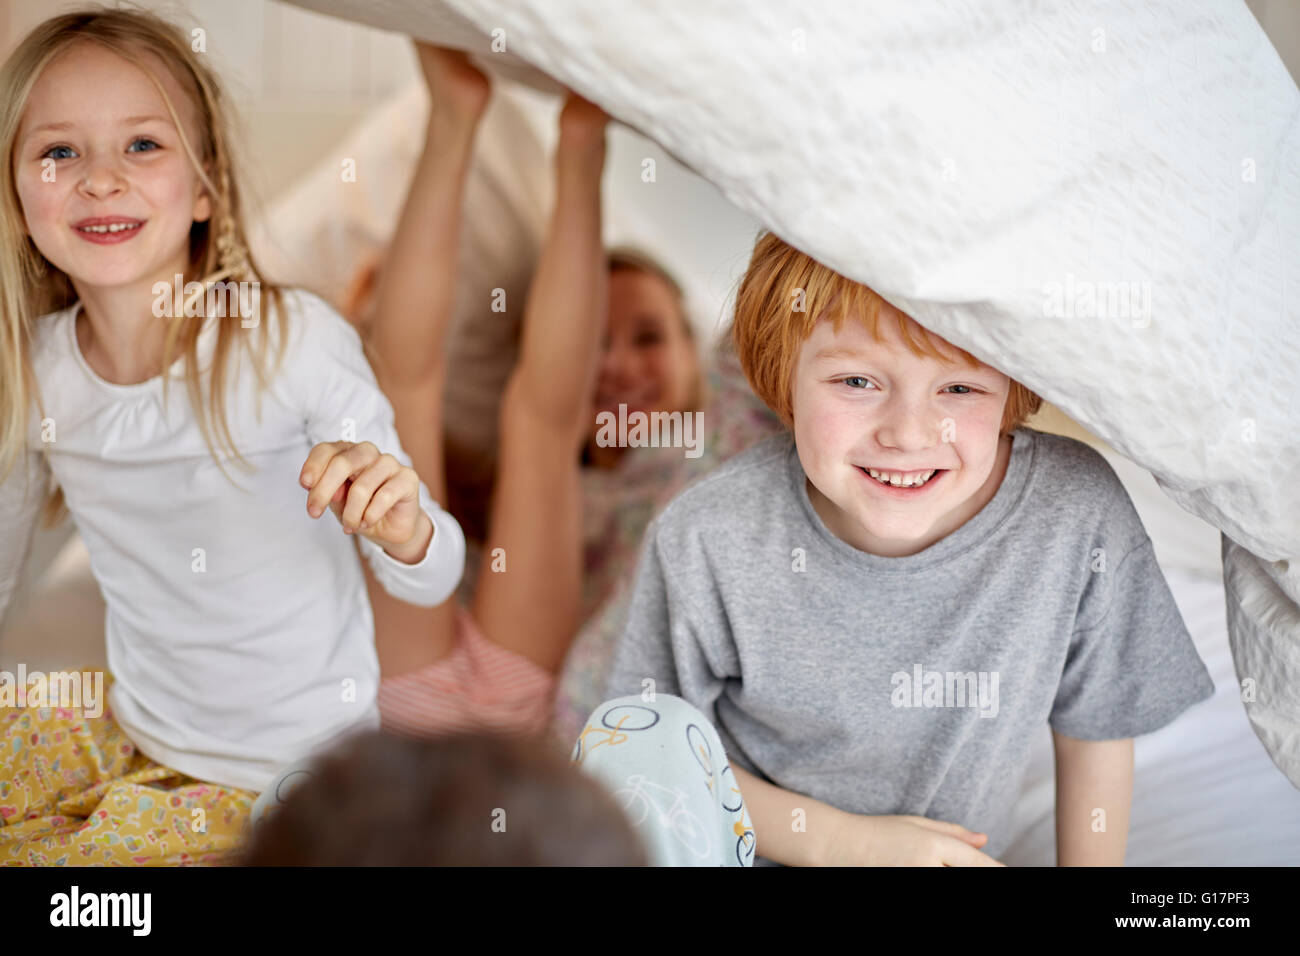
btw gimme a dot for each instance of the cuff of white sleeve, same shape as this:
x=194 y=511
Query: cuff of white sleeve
x=434 y=578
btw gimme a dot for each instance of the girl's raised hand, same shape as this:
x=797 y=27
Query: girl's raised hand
x=372 y=494
x=582 y=123
x=456 y=86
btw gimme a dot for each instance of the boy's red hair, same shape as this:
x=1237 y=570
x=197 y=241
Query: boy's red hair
x=783 y=295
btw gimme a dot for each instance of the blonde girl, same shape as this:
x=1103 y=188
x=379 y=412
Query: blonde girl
x=195 y=440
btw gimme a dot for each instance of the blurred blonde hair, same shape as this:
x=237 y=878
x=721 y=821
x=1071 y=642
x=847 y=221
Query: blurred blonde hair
x=768 y=332
x=31 y=286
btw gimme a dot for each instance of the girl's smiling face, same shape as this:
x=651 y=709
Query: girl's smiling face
x=862 y=405
x=117 y=158
x=648 y=362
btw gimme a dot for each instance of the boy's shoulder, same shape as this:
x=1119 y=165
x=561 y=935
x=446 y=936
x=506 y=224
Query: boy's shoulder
x=1073 y=483
x=1070 y=465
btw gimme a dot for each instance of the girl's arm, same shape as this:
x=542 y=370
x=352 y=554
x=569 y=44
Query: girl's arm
x=357 y=466
x=564 y=315
x=535 y=522
x=413 y=313
x=417 y=283
x=1094 y=793
x=22 y=494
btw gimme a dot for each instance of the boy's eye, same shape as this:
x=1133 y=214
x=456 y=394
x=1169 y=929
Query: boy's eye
x=148 y=144
x=58 y=152
x=857 y=381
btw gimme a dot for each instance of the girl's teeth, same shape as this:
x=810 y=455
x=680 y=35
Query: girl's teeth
x=113 y=227
x=899 y=480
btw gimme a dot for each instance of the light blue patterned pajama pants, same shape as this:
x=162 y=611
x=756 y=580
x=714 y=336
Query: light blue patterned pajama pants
x=665 y=766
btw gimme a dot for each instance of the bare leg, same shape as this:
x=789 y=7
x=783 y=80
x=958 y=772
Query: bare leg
x=413 y=313
x=532 y=606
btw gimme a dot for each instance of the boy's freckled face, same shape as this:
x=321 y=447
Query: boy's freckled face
x=117 y=155
x=862 y=404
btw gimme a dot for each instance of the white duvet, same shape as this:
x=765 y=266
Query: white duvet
x=1100 y=198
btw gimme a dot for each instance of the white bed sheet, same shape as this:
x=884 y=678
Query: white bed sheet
x=1205 y=792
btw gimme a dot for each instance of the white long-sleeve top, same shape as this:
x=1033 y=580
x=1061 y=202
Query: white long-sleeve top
x=238 y=628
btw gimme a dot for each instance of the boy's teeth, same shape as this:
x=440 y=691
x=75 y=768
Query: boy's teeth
x=899 y=480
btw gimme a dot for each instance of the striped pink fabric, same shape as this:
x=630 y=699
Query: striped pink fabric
x=481 y=687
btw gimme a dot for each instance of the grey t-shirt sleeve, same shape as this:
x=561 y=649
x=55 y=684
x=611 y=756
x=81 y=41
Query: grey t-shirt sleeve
x=662 y=638
x=1131 y=667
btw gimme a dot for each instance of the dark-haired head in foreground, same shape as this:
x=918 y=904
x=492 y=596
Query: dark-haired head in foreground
x=381 y=800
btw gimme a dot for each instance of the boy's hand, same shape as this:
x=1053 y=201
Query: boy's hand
x=370 y=493
x=905 y=841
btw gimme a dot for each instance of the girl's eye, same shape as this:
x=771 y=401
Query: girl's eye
x=857 y=381
x=149 y=145
x=58 y=152
x=967 y=387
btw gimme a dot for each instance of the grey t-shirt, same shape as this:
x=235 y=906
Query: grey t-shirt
x=910 y=685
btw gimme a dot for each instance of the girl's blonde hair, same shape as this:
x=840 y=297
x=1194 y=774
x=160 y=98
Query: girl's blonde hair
x=31 y=286
x=768 y=330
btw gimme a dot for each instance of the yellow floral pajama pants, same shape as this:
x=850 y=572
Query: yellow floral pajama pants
x=75 y=791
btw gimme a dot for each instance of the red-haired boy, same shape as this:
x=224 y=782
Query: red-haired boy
x=880 y=611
